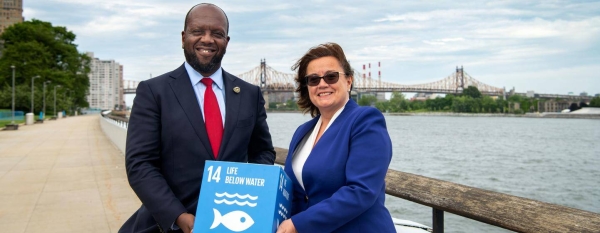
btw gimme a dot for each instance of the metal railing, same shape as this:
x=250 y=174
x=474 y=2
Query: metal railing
x=498 y=209
x=119 y=121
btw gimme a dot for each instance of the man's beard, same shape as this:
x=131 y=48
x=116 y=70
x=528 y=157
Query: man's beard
x=211 y=67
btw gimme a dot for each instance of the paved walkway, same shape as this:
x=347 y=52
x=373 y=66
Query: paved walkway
x=63 y=176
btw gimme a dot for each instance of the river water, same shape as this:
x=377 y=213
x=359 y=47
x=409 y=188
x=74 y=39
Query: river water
x=550 y=160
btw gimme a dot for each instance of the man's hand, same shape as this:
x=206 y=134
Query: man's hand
x=185 y=221
x=287 y=226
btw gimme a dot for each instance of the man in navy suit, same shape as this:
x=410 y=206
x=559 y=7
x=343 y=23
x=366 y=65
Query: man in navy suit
x=167 y=139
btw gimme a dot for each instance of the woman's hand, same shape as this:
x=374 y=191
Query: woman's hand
x=287 y=226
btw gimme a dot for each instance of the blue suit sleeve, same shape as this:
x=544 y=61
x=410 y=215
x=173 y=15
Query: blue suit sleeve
x=370 y=152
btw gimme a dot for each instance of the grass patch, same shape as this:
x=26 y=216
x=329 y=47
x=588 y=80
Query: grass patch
x=3 y=123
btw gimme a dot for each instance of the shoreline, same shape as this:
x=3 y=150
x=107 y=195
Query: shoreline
x=453 y=114
x=527 y=115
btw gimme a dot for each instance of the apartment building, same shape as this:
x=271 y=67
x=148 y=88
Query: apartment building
x=106 y=84
x=10 y=13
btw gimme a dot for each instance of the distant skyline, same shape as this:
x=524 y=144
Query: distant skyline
x=543 y=46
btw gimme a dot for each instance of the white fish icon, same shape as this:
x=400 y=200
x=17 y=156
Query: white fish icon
x=235 y=221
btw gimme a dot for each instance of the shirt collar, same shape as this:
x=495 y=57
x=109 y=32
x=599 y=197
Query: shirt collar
x=195 y=77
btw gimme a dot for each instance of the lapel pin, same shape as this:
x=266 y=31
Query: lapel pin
x=236 y=90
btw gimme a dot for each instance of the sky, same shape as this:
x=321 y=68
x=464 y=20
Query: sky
x=550 y=47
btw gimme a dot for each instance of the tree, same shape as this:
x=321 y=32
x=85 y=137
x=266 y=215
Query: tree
x=383 y=106
x=398 y=102
x=273 y=105
x=291 y=104
x=488 y=104
x=595 y=102
x=472 y=92
x=38 y=48
x=367 y=100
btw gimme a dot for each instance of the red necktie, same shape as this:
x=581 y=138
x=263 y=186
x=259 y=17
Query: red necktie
x=212 y=117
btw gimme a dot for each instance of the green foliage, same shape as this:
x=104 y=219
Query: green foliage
x=398 y=103
x=472 y=92
x=291 y=104
x=595 y=102
x=383 y=106
x=367 y=100
x=488 y=104
x=273 y=105
x=36 y=48
x=439 y=103
x=466 y=104
x=3 y=123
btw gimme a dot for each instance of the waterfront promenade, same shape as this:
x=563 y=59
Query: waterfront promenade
x=63 y=176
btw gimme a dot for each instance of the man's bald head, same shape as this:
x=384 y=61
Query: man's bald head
x=205 y=5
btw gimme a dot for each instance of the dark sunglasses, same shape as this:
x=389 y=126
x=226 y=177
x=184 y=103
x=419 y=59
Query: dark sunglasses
x=329 y=78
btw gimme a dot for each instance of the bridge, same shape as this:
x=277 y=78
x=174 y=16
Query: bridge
x=271 y=80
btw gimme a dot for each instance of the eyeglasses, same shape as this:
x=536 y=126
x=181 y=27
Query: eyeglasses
x=329 y=78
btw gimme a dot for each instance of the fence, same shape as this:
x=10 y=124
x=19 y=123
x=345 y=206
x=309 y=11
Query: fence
x=115 y=129
x=6 y=115
x=498 y=209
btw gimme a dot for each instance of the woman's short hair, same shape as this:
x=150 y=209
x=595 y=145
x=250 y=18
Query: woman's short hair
x=322 y=50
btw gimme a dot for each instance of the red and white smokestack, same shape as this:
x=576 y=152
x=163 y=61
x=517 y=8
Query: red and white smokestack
x=379 y=64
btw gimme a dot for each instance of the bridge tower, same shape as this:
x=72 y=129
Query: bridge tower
x=460 y=79
x=263 y=81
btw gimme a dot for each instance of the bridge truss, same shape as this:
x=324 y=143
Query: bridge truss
x=271 y=80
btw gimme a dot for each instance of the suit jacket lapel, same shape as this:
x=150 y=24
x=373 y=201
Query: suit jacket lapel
x=232 y=110
x=184 y=92
x=302 y=131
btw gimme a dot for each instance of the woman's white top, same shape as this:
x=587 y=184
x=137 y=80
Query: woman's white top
x=306 y=146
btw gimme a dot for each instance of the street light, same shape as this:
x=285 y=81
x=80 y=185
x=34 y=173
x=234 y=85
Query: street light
x=13 y=94
x=65 y=99
x=32 y=91
x=44 y=95
x=55 y=115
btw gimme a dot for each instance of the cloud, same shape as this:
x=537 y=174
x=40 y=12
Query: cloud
x=416 y=42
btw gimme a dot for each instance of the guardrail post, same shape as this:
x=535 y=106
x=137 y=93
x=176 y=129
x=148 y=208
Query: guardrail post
x=438 y=221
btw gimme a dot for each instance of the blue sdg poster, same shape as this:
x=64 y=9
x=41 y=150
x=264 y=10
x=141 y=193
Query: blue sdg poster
x=242 y=197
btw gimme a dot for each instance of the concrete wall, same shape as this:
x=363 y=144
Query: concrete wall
x=115 y=131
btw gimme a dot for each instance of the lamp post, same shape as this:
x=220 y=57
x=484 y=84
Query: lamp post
x=55 y=115
x=13 y=94
x=65 y=99
x=70 y=103
x=44 y=95
x=32 y=91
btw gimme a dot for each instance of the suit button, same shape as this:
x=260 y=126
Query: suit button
x=306 y=199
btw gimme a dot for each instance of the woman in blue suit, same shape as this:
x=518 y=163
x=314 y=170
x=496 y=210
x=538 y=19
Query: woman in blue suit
x=339 y=159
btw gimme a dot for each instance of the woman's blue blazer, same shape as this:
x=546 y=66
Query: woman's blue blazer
x=344 y=176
